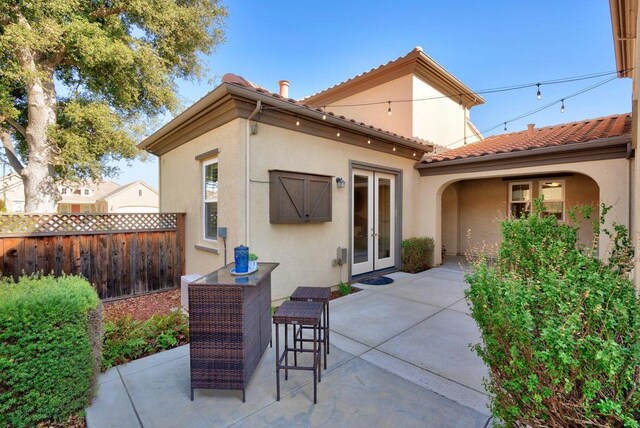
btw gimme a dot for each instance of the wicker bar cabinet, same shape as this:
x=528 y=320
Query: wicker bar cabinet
x=230 y=327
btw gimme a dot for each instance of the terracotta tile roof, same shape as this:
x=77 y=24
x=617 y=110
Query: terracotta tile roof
x=582 y=131
x=233 y=79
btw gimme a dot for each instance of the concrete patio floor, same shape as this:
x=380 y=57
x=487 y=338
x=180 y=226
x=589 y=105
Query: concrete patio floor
x=400 y=356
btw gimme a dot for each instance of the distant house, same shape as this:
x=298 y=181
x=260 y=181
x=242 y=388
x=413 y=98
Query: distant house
x=352 y=167
x=12 y=192
x=103 y=197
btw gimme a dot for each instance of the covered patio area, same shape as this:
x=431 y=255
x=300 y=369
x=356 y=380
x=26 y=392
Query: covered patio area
x=400 y=356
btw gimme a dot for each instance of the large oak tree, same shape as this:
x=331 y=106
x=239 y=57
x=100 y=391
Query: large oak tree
x=77 y=75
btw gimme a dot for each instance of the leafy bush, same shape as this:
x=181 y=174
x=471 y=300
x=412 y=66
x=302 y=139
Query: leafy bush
x=560 y=328
x=49 y=348
x=344 y=289
x=417 y=254
x=126 y=339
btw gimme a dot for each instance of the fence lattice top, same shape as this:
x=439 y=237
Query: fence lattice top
x=64 y=224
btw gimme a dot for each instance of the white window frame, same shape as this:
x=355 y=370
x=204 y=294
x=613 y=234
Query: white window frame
x=86 y=192
x=511 y=201
x=563 y=200
x=63 y=191
x=211 y=200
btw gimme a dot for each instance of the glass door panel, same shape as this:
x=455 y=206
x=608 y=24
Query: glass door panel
x=385 y=220
x=362 y=217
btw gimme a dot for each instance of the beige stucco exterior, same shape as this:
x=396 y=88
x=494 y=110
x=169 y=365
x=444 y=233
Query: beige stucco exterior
x=611 y=176
x=472 y=209
x=304 y=251
x=432 y=117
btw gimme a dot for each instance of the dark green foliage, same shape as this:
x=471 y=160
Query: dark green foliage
x=345 y=289
x=417 y=254
x=560 y=328
x=126 y=339
x=47 y=328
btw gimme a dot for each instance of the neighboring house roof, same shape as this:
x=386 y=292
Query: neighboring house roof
x=416 y=62
x=126 y=187
x=582 y=131
x=99 y=190
x=194 y=121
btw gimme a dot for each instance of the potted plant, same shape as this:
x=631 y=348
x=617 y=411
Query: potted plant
x=253 y=261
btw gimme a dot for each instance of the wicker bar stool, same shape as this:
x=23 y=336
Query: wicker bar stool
x=306 y=314
x=321 y=295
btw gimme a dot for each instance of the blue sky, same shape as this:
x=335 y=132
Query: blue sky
x=486 y=44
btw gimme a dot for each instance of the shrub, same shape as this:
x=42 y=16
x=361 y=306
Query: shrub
x=560 y=328
x=344 y=289
x=417 y=254
x=126 y=339
x=49 y=348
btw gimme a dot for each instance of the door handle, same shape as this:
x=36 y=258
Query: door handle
x=373 y=233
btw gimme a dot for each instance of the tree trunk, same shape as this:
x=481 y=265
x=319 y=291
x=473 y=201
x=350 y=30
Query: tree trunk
x=40 y=190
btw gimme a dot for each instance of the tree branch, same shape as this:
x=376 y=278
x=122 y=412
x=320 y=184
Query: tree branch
x=15 y=125
x=10 y=151
x=103 y=12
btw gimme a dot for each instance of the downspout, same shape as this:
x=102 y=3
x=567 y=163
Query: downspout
x=248 y=169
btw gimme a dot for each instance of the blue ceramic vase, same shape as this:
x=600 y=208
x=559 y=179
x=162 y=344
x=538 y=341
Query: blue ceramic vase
x=241 y=256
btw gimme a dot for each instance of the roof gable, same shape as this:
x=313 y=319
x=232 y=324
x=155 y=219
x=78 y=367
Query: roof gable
x=415 y=62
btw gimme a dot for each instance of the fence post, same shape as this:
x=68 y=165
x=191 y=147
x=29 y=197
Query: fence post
x=180 y=221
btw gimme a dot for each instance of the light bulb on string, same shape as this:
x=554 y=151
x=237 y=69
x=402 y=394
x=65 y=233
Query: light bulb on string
x=389 y=109
x=505 y=127
x=562 y=105
x=369 y=141
x=338 y=133
x=324 y=113
x=539 y=94
x=297 y=121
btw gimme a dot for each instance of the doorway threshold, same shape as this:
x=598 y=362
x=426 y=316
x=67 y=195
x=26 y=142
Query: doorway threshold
x=380 y=272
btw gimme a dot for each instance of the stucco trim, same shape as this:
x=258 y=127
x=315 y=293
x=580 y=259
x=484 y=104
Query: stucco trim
x=206 y=249
x=607 y=148
x=207 y=155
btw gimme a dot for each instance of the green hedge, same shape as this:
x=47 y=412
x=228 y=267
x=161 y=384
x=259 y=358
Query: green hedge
x=417 y=254
x=49 y=348
x=560 y=328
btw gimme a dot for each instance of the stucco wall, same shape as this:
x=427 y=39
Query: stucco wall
x=438 y=120
x=610 y=176
x=304 y=251
x=181 y=190
x=450 y=212
x=400 y=120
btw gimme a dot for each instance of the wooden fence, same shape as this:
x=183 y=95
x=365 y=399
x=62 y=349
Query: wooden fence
x=120 y=254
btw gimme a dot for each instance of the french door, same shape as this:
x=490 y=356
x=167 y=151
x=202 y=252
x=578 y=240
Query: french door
x=374 y=218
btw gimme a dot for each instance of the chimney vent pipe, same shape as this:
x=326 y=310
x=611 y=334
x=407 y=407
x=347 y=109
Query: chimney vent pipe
x=284 y=88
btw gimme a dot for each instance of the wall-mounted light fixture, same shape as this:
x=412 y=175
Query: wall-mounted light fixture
x=340 y=182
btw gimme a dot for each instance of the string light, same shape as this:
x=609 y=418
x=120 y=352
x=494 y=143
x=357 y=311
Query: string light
x=368 y=140
x=495 y=90
x=539 y=109
x=394 y=149
x=414 y=153
x=539 y=94
x=562 y=106
x=324 y=113
x=338 y=133
x=297 y=121
x=389 y=109
x=505 y=127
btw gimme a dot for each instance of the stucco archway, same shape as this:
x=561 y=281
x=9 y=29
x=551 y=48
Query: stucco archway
x=611 y=177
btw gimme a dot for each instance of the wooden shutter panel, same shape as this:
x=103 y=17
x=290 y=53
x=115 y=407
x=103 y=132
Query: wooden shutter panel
x=299 y=198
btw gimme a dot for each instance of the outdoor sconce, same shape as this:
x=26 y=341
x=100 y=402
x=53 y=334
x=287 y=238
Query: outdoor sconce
x=340 y=182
